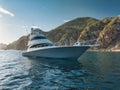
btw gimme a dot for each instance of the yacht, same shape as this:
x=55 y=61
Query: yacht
x=41 y=47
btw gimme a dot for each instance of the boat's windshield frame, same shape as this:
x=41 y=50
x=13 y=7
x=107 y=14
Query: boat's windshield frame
x=41 y=45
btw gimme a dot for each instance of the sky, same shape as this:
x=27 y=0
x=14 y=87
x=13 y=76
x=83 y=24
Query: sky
x=17 y=16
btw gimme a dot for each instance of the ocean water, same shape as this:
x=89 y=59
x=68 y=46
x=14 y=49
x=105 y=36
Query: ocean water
x=93 y=71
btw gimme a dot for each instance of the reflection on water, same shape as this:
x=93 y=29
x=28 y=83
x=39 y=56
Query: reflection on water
x=102 y=62
x=105 y=66
x=53 y=74
x=93 y=71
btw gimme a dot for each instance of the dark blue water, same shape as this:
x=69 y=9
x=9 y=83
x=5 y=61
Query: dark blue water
x=93 y=71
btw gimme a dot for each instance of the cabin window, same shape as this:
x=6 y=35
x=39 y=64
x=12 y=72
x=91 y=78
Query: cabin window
x=39 y=37
x=41 y=45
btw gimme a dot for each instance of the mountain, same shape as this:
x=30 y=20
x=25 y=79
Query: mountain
x=81 y=29
x=68 y=33
x=2 y=46
x=107 y=30
x=20 y=44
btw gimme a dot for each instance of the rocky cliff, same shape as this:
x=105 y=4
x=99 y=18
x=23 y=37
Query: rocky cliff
x=81 y=29
x=20 y=44
x=69 y=32
x=110 y=35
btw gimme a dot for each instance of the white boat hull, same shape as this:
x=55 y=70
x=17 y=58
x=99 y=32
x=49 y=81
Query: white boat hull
x=57 y=52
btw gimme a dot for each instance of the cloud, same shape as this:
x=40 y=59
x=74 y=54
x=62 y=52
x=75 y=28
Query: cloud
x=4 y=11
x=66 y=21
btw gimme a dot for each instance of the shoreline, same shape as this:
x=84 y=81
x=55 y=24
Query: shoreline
x=105 y=50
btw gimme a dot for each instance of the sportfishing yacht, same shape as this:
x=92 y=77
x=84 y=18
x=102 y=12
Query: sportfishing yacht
x=40 y=46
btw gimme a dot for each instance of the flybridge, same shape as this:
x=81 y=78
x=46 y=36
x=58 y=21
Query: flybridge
x=36 y=31
x=37 y=38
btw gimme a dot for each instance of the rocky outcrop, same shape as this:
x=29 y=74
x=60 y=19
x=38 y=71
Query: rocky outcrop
x=91 y=32
x=109 y=36
x=20 y=44
x=69 y=32
x=107 y=30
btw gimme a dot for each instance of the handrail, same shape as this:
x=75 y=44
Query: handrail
x=91 y=45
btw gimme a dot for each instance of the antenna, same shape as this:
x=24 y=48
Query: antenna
x=25 y=26
x=26 y=29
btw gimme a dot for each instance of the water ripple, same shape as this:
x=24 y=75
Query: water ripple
x=95 y=71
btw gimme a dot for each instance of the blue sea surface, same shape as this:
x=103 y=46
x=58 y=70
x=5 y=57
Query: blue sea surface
x=93 y=71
